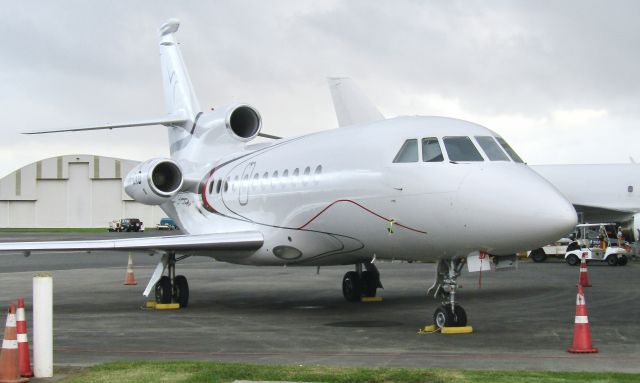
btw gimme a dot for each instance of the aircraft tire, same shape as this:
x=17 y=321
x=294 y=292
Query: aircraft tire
x=352 y=287
x=573 y=260
x=444 y=317
x=181 y=293
x=538 y=255
x=612 y=260
x=623 y=260
x=370 y=284
x=163 y=290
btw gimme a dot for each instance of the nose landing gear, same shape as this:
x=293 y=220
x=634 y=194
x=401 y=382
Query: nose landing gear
x=449 y=314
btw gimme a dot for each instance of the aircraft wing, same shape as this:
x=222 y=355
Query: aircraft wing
x=351 y=104
x=247 y=240
x=168 y=120
x=603 y=214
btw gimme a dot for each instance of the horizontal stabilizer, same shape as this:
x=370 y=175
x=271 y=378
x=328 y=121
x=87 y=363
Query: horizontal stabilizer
x=247 y=240
x=171 y=120
x=351 y=104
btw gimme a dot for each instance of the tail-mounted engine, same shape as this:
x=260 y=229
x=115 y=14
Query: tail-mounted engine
x=241 y=122
x=154 y=182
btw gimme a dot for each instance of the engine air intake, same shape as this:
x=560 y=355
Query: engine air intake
x=244 y=122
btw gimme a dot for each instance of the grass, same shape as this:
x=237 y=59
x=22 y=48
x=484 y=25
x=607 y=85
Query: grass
x=191 y=372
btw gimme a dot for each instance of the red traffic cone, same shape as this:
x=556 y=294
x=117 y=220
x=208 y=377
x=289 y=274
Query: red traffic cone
x=23 y=342
x=584 y=277
x=130 y=279
x=9 y=370
x=581 y=331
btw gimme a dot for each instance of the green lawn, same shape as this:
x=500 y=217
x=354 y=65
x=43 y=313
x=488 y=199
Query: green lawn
x=185 y=371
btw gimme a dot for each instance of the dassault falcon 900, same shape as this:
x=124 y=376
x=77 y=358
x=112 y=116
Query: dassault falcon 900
x=408 y=188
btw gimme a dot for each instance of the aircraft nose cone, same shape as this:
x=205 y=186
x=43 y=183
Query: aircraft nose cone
x=514 y=209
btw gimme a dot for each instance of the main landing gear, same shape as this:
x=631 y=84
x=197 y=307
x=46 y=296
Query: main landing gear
x=449 y=314
x=358 y=284
x=171 y=288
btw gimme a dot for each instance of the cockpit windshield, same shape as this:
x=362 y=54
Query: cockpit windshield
x=461 y=149
x=491 y=148
x=514 y=156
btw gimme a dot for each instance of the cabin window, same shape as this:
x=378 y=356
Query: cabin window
x=218 y=186
x=431 y=151
x=408 y=152
x=491 y=148
x=512 y=153
x=461 y=149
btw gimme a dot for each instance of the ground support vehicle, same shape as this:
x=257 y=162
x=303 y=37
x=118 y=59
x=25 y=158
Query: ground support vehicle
x=556 y=249
x=114 y=226
x=131 y=224
x=595 y=243
x=167 y=224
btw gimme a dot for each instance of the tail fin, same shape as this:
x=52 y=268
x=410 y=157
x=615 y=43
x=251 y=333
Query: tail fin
x=179 y=97
x=351 y=104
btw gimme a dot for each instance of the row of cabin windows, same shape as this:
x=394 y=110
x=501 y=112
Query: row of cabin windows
x=459 y=148
x=265 y=181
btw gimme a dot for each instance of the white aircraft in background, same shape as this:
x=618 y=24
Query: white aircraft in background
x=600 y=192
x=409 y=188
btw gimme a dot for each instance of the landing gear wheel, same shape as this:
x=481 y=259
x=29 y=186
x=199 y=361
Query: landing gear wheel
x=612 y=260
x=622 y=260
x=181 y=291
x=163 y=290
x=573 y=260
x=370 y=284
x=444 y=317
x=352 y=287
x=538 y=255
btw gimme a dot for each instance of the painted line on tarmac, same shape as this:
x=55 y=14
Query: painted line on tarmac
x=478 y=356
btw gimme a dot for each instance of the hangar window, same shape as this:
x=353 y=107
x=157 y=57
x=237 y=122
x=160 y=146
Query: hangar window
x=431 y=151
x=512 y=153
x=491 y=148
x=408 y=152
x=461 y=149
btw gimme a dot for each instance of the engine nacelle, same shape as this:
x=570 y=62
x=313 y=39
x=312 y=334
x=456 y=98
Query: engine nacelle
x=631 y=228
x=154 y=182
x=241 y=121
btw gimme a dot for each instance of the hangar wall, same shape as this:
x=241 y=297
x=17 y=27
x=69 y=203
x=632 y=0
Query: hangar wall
x=71 y=191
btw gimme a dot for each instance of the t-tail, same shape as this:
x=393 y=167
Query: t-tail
x=195 y=137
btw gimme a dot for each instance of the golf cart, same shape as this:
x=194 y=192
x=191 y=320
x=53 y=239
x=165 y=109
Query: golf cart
x=597 y=243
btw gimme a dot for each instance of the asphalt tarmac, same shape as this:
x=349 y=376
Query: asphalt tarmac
x=522 y=319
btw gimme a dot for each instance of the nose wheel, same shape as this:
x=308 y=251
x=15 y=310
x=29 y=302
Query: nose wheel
x=449 y=314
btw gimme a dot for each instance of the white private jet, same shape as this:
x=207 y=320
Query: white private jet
x=409 y=188
x=598 y=192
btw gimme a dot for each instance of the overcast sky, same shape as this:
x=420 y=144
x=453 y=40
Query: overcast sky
x=557 y=79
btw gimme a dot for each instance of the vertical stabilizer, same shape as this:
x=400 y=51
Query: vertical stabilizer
x=179 y=97
x=351 y=104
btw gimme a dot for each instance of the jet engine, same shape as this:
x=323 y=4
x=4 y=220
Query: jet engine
x=240 y=121
x=154 y=182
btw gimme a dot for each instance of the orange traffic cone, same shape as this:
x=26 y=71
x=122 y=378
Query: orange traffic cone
x=130 y=279
x=23 y=342
x=581 y=331
x=584 y=277
x=9 y=370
